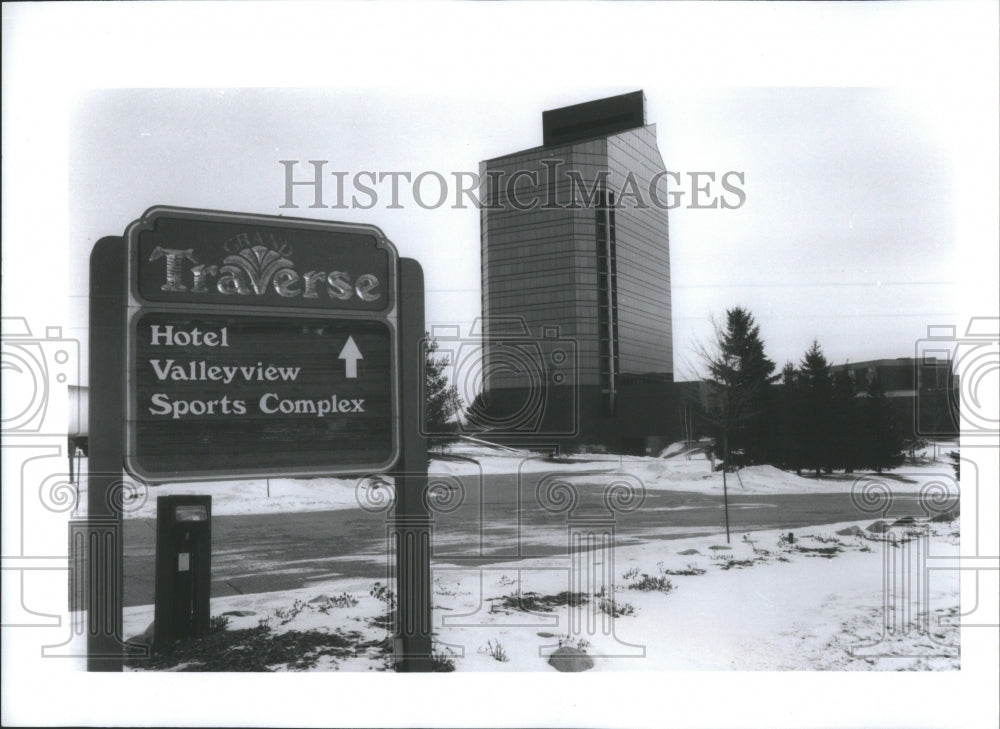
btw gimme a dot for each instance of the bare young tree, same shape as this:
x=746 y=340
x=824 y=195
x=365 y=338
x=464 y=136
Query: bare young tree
x=738 y=376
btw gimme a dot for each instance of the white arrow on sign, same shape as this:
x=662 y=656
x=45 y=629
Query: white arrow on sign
x=350 y=354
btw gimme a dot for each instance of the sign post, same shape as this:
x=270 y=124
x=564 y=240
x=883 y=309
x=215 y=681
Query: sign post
x=103 y=543
x=258 y=346
x=411 y=525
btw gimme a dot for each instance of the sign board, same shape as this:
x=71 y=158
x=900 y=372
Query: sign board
x=259 y=346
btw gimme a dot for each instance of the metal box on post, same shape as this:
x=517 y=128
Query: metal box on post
x=183 y=567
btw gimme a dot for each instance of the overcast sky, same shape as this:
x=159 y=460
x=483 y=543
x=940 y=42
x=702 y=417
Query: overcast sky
x=847 y=234
x=869 y=214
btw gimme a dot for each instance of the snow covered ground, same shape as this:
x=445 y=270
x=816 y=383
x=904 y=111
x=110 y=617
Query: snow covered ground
x=763 y=603
x=815 y=602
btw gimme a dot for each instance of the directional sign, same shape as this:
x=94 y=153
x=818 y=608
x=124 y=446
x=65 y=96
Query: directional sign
x=259 y=346
x=253 y=346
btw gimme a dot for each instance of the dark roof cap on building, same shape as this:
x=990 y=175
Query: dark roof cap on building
x=591 y=119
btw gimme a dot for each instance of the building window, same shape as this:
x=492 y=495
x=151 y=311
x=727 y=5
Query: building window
x=607 y=300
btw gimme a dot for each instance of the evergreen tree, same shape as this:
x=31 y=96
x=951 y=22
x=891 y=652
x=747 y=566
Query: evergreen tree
x=441 y=400
x=844 y=430
x=790 y=416
x=739 y=374
x=741 y=369
x=816 y=406
x=883 y=447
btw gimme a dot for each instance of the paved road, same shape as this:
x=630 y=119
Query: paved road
x=494 y=520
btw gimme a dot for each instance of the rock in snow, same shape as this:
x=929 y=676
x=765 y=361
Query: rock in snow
x=569 y=659
x=144 y=638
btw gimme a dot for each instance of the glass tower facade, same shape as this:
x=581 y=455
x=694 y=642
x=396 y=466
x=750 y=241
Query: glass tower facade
x=575 y=247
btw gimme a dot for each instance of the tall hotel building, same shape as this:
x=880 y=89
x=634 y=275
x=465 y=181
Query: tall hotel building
x=576 y=283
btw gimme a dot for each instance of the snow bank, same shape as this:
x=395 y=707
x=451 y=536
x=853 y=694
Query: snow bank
x=257 y=496
x=677 y=472
x=693 y=450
